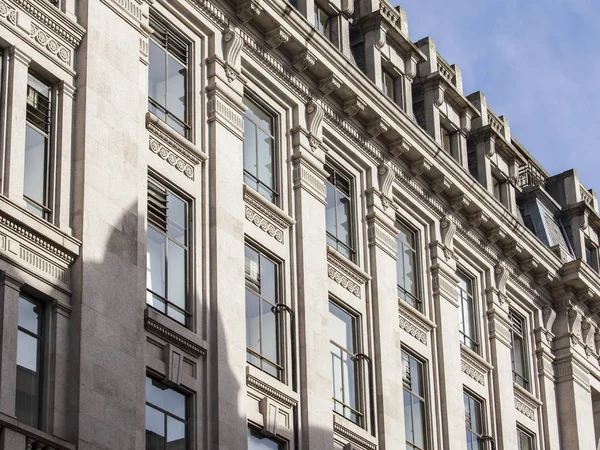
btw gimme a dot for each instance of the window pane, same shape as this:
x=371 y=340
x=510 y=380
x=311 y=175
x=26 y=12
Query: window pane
x=155 y=429
x=260 y=117
x=265 y=158
x=176 y=218
x=336 y=372
x=349 y=380
x=252 y=269
x=27 y=396
x=268 y=285
x=343 y=217
x=330 y=217
x=176 y=88
x=341 y=326
x=258 y=442
x=155 y=262
x=408 y=423
x=252 y=321
x=28 y=315
x=250 y=137
x=27 y=351
x=165 y=398
x=409 y=268
x=156 y=74
x=418 y=422
x=269 y=333
x=177 y=271
x=175 y=434
x=34 y=185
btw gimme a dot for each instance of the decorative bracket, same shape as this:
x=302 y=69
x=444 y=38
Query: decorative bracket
x=329 y=84
x=353 y=105
x=314 y=120
x=303 y=61
x=232 y=46
x=277 y=36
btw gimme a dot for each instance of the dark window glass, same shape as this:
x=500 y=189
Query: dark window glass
x=322 y=21
x=591 y=255
x=167 y=77
x=388 y=84
x=474 y=422
x=29 y=361
x=259 y=150
x=167 y=253
x=166 y=417
x=339 y=212
x=262 y=327
x=447 y=141
x=519 y=350
x=525 y=440
x=466 y=312
x=498 y=187
x=37 y=148
x=257 y=441
x=357 y=46
x=342 y=330
x=415 y=422
x=406 y=267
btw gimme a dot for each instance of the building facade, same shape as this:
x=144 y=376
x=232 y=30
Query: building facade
x=263 y=224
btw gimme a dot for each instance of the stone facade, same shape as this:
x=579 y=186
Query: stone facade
x=360 y=118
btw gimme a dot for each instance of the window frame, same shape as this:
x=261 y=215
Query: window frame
x=358 y=408
x=348 y=250
x=48 y=135
x=275 y=190
x=40 y=360
x=386 y=74
x=188 y=422
x=591 y=254
x=188 y=311
x=522 y=431
x=419 y=304
x=423 y=399
x=522 y=380
x=482 y=419
x=468 y=341
x=159 y=23
x=257 y=433
x=280 y=365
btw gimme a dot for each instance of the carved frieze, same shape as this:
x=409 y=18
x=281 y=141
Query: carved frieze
x=525 y=403
x=270 y=390
x=8 y=12
x=414 y=323
x=268 y=217
x=473 y=365
x=353 y=437
x=345 y=273
x=172 y=337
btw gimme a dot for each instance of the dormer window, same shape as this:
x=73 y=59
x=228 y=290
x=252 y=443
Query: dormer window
x=591 y=255
x=387 y=84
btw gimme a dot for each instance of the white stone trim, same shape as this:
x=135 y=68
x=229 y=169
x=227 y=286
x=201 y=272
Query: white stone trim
x=274 y=389
x=413 y=322
x=265 y=215
x=525 y=402
x=474 y=365
x=344 y=272
x=352 y=433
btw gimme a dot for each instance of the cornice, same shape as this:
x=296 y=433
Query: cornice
x=265 y=215
x=170 y=335
x=474 y=365
x=254 y=381
x=353 y=436
x=414 y=323
x=525 y=402
x=345 y=273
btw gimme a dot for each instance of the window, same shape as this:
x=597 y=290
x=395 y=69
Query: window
x=262 y=328
x=498 y=188
x=339 y=212
x=357 y=46
x=166 y=417
x=259 y=150
x=447 y=141
x=406 y=267
x=257 y=441
x=36 y=184
x=322 y=21
x=415 y=422
x=167 y=252
x=466 y=312
x=342 y=330
x=388 y=84
x=591 y=255
x=519 y=350
x=474 y=422
x=168 y=77
x=29 y=362
x=525 y=440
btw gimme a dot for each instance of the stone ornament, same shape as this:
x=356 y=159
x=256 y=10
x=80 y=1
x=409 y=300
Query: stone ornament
x=413 y=323
x=448 y=230
x=248 y=10
x=525 y=404
x=49 y=43
x=343 y=274
x=473 y=367
x=8 y=12
x=314 y=122
x=232 y=47
x=276 y=37
x=303 y=61
x=265 y=218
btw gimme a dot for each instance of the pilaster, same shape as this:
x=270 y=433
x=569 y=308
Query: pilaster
x=9 y=317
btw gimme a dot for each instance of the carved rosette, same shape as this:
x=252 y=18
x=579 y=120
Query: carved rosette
x=265 y=216
x=8 y=12
x=344 y=273
x=44 y=39
x=525 y=403
x=415 y=324
x=474 y=366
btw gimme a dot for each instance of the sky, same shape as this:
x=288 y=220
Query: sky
x=538 y=64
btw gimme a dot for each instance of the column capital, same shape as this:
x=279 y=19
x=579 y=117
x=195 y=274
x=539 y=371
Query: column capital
x=16 y=54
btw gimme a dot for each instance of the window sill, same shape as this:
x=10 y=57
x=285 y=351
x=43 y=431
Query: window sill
x=525 y=402
x=271 y=387
x=266 y=215
x=346 y=431
x=173 y=332
x=474 y=365
x=34 y=435
x=414 y=322
x=344 y=272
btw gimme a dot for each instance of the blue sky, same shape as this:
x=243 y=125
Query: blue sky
x=538 y=64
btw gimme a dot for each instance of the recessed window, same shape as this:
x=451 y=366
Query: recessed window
x=344 y=367
x=519 y=349
x=259 y=150
x=29 y=362
x=525 y=439
x=257 y=441
x=591 y=255
x=466 y=312
x=388 y=84
x=474 y=422
x=447 y=140
x=36 y=184
x=406 y=267
x=357 y=46
x=168 y=77
x=166 y=417
x=262 y=328
x=322 y=21
x=167 y=252
x=415 y=414
x=499 y=189
x=339 y=212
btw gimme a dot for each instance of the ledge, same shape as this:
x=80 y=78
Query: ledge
x=37 y=438
x=265 y=215
x=353 y=433
x=156 y=323
x=474 y=365
x=525 y=402
x=414 y=322
x=344 y=272
x=271 y=387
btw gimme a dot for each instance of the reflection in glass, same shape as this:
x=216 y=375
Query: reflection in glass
x=406 y=267
x=166 y=417
x=259 y=442
x=466 y=312
x=414 y=402
x=338 y=213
